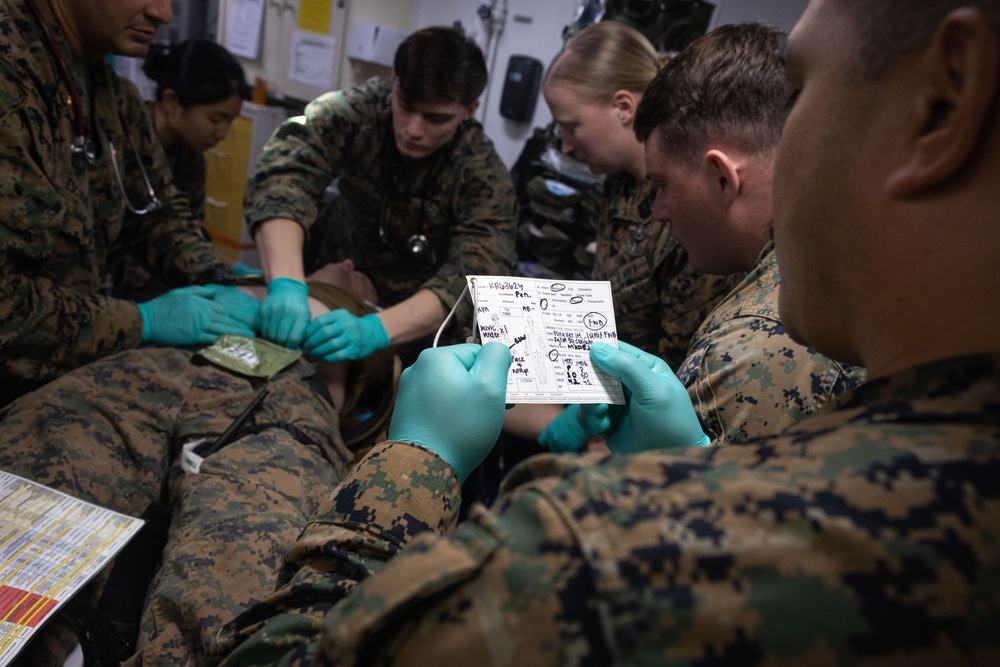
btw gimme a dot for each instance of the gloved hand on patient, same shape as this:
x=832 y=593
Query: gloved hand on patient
x=451 y=402
x=285 y=312
x=341 y=336
x=658 y=412
x=197 y=315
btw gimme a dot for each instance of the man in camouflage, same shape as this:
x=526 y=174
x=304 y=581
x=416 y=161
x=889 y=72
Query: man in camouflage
x=713 y=117
x=111 y=433
x=869 y=534
x=709 y=147
x=425 y=199
x=60 y=216
x=660 y=300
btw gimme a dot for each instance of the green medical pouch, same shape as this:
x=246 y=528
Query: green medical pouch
x=253 y=357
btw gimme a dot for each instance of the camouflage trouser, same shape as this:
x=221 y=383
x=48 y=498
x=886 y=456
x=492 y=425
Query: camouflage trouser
x=111 y=432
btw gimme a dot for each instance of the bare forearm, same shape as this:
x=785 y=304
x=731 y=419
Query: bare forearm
x=417 y=317
x=279 y=242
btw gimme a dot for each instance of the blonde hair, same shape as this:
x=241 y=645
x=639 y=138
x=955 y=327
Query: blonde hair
x=603 y=58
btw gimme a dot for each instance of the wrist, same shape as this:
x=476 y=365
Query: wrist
x=144 y=313
x=287 y=285
x=375 y=329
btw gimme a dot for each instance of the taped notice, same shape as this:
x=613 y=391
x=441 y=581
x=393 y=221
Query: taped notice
x=549 y=326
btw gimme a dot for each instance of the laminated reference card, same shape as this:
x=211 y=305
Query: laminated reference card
x=549 y=326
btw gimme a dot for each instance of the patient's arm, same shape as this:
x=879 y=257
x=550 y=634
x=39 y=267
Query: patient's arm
x=334 y=375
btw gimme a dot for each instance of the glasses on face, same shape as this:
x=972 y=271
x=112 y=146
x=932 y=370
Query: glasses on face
x=154 y=202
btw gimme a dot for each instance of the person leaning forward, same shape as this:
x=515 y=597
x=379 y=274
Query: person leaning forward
x=425 y=200
x=84 y=174
x=868 y=534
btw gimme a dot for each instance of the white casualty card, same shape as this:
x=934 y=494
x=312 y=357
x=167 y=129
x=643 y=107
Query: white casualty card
x=549 y=326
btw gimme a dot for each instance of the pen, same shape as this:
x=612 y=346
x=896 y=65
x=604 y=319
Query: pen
x=227 y=435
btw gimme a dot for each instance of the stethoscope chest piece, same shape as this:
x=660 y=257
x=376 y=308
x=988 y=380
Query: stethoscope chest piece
x=418 y=245
x=83 y=151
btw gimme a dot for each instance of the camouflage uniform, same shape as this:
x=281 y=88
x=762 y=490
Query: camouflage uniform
x=746 y=377
x=659 y=298
x=868 y=536
x=462 y=199
x=58 y=222
x=111 y=432
x=189 y=171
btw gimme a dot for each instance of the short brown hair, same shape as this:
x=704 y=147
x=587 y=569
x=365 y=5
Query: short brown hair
x=891 y=29
x=440 y=64
x=725 y=85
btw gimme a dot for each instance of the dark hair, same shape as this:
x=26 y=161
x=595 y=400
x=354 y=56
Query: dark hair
x=725 y=85
x=440 y=64
x=890 y=29
x=198 y=70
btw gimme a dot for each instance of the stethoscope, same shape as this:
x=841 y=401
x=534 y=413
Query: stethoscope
x=82 y=150
x=417 y=245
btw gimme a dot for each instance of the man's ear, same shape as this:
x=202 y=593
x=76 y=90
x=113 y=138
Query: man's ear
x=471 y=110
x=724 y=171
x=956 y=89
x=625 y=105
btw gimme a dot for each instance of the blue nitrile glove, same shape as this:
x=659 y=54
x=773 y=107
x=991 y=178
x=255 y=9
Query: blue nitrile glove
x=658 y=412
x=189 y=316
x=238 y=304
x=564 y=433
x=341 y=336
x=451 y=401
x=284 y=314
x=241 y=270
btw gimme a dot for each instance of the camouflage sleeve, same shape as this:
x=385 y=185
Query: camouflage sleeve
x=457 y=600
x=752 y=380
x=170 y=240
x=302 y=157
x=42 y=319
x=483 y=240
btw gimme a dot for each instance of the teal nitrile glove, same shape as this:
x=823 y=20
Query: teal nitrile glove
x=285 y=313
x=564 y=433
x=189 y=316
x=658 y=412
x=239 y=305
x=451 y=402
x=341 y=336
x=241 y=270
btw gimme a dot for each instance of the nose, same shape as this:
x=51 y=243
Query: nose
x=161 y=11
x=566 y=146
x=348 y=264
x=415 y=126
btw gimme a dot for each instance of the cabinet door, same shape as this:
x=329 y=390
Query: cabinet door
x=226 y=172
